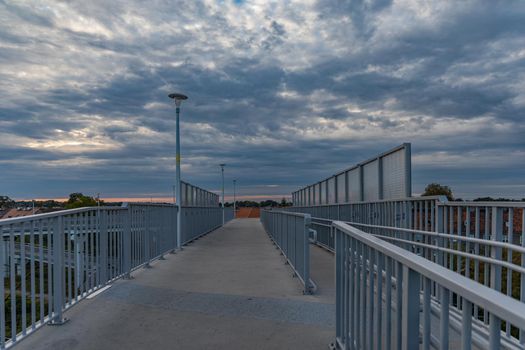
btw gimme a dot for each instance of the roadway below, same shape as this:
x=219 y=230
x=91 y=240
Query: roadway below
x=228 y=290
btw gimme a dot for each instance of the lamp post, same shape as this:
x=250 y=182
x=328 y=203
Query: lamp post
x=222 y=173
x=178 y=98
x=234 y=200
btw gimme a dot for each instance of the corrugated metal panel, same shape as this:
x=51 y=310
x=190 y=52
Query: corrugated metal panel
x=394 y=175
x=323 y=193
x=341 y=188
x=354 y=190
x=387 y=176
x=331 y=190
x=371 y=181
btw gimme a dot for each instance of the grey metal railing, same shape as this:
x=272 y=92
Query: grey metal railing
x=490 y=250
x=384 y=300
x=482 y=241
x=229 y=214
x=413 y=213
x=52 y=261
x=290 y=233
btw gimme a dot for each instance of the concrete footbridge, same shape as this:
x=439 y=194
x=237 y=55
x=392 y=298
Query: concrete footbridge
x=356 y=263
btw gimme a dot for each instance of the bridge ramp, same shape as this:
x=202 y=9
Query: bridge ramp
x=228 y=290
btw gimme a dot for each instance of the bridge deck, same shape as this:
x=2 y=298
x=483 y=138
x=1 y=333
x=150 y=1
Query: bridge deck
x=228 y=290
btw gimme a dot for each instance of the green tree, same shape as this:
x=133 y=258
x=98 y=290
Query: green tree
x=78 y=200
x=435 y=189
x=6 y=202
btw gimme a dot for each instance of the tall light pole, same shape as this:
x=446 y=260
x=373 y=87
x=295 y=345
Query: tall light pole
x=222 y=172
x=178 y=98
x=234 y=200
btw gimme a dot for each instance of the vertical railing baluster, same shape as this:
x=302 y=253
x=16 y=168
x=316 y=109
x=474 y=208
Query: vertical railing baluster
x=3 y=257
x=388 y=303
x=12 y=281
x=444 y=319
x=33 y=273
x=340 y=312
x=379 y=300
x=58 y=271
x=510 y=239
x=370 y=299
x=399 y=304
x=426 y=313
x=41 y=269
x=494 y=332
x=522 y=275
x=410 y=308
x=466 y=325
x=103 y=249
x=23 y=295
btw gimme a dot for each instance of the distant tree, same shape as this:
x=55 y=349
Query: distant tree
x=490 y=199
x=285 y=203
x=78 y=200
x=51 y=204
x=6 y=202
x=247 y=204
x=435 y=189
x=269 y=203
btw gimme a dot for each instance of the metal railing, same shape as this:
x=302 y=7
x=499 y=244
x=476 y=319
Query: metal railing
x=229 y=214
x=290 y=233
x=52 y=261
x=483 y=243
x=384 y=300
x=412 y=213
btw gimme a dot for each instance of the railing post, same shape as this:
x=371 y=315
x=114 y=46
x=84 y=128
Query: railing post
x=339 y=332
x=147 y=238
x=306 y=255
x=466 y=334
x=127 y=244
x=103 y=249
x=58 y=272
x=173 y=222
x=495 y=252
x=439 y=229
x=410 y=309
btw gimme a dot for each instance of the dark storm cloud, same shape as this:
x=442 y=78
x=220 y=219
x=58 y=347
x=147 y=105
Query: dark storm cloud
x=285 y=94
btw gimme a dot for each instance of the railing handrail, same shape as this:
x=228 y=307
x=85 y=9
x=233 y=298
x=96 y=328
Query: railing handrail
x=20 y=219
x=125 y=206
x=516 y=204
x=499 y=244
x=439 y=199
x=287 y=213
x=493 y=301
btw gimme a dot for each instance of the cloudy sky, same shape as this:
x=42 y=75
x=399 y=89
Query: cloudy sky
x=284 y=92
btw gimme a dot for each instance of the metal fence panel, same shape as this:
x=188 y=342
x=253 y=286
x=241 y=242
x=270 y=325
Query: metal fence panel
x=290 y=232
x=354 y=186
x=371 y=181
x=193 y=196
x=331 y=191
x=394 y=175
x=386 y=176
x=51 y=261
x=422 y=291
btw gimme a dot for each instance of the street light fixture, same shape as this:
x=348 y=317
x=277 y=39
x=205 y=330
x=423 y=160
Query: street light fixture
x=222 y=172
x=178 y=98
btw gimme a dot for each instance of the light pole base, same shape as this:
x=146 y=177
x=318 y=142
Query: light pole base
x=59 y=322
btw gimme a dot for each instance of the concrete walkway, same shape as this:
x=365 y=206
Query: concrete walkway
x=228 y=290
